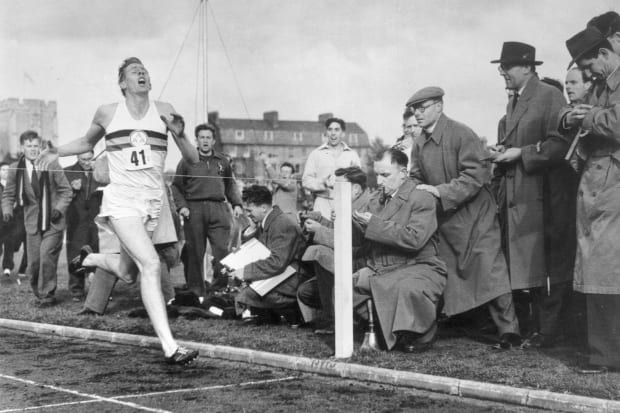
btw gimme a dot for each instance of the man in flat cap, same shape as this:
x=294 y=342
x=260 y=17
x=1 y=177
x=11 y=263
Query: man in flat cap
x=534 y=186
x=597 y=266
x=446 y=160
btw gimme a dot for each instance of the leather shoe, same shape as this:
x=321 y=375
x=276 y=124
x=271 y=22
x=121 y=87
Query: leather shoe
x=87 y=311
x=47 y=302
x=538 y=340
x=416 y=343
x=507 y=341
x=590 y=369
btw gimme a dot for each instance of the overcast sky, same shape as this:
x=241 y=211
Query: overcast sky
x=359 y=59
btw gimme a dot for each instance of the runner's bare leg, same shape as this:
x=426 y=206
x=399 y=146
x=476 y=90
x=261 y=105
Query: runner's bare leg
x=138 y=247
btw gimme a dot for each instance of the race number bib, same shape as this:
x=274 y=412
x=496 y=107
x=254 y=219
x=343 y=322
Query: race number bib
x=137 y=157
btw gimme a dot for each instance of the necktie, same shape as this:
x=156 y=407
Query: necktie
x=34 y=181
x=515 y=99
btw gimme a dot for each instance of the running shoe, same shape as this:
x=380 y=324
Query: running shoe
x=182 y=356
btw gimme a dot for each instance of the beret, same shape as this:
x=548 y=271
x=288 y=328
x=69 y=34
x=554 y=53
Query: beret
x=430 y=92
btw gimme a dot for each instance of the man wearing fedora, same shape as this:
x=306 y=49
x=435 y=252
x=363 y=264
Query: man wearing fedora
x=447 y=161
x=597 y=267
x=533 y=184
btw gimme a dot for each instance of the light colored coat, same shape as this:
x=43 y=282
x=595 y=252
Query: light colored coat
x=597 y=264
x=469 y=233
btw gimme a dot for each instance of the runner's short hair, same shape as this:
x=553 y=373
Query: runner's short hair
x=123 y=66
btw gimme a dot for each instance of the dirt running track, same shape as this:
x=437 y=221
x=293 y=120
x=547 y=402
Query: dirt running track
x=54 y=374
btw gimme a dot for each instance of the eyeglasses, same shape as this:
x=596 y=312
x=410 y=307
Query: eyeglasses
x=507 y=66
x=422 y=108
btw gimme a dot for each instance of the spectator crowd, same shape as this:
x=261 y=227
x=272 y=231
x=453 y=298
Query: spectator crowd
x=516 y=239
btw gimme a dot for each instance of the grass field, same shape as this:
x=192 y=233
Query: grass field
x=458 y=357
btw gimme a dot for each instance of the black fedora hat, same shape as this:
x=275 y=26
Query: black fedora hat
x=583 y=42
x=516 y=53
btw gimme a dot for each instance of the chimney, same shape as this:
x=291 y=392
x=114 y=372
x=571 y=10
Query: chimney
x=271 y=118
x=324 y=116
x=214 y=118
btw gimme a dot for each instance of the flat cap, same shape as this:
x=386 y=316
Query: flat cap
x=429 y=92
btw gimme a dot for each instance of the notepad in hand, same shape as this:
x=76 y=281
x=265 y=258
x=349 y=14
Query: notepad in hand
x=262 y=287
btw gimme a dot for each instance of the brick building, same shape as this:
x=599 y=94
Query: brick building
x=283 y=140
x=16 y=116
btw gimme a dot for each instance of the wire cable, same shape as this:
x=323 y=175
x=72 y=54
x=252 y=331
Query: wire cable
x=179 y=53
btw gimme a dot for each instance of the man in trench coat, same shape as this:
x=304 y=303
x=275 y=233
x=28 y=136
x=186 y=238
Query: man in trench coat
x=597 y=267
x=403 y=275
x=447 y=161
x=534 y=190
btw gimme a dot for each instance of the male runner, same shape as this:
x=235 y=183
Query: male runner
x=136 y=142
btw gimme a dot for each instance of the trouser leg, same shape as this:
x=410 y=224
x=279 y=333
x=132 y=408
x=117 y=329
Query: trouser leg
x=77 y=237
x=218 y=233
x=196 y=238
x=502 y=310
x=325 y=287
x=103 y=283
x=604 y=329
x=548 y=307
x=33 y=245
x=51 y=244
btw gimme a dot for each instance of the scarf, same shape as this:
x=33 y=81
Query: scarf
x=45 y=201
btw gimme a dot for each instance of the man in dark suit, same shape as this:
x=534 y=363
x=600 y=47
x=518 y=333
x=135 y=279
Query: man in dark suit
x=536 y=191
x=283 y=238
x=45 y=196
x=403 y=274
x=81 y=227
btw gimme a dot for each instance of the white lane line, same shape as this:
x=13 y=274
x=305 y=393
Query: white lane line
x=49 y=406
x=220 y=386
x=77 y=393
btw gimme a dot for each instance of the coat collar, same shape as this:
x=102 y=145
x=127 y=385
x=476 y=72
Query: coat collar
x=513 y=117
x=438 y=130
x=400 y=198
x=275 y=212
x=345 y=147
x=613 y=80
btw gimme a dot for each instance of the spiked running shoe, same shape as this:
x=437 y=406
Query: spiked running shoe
x=182 y=356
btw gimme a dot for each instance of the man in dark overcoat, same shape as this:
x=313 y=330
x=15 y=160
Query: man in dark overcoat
x=84 y=207
x=447 y=161
x=535 y=186
x=403 y=275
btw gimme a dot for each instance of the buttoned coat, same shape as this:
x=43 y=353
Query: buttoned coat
x=597 y=264
x=403 y=273
x=535 y=193
x=469 y=233
x=60 y=192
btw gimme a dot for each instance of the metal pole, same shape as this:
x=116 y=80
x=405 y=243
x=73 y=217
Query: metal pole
x=343 y=265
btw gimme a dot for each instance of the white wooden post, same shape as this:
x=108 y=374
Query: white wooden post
x=343 y=265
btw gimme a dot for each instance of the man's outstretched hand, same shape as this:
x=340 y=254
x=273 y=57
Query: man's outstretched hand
x=175 y=123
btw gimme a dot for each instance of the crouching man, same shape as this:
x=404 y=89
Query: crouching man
x=403 y=275
x=284 y=239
